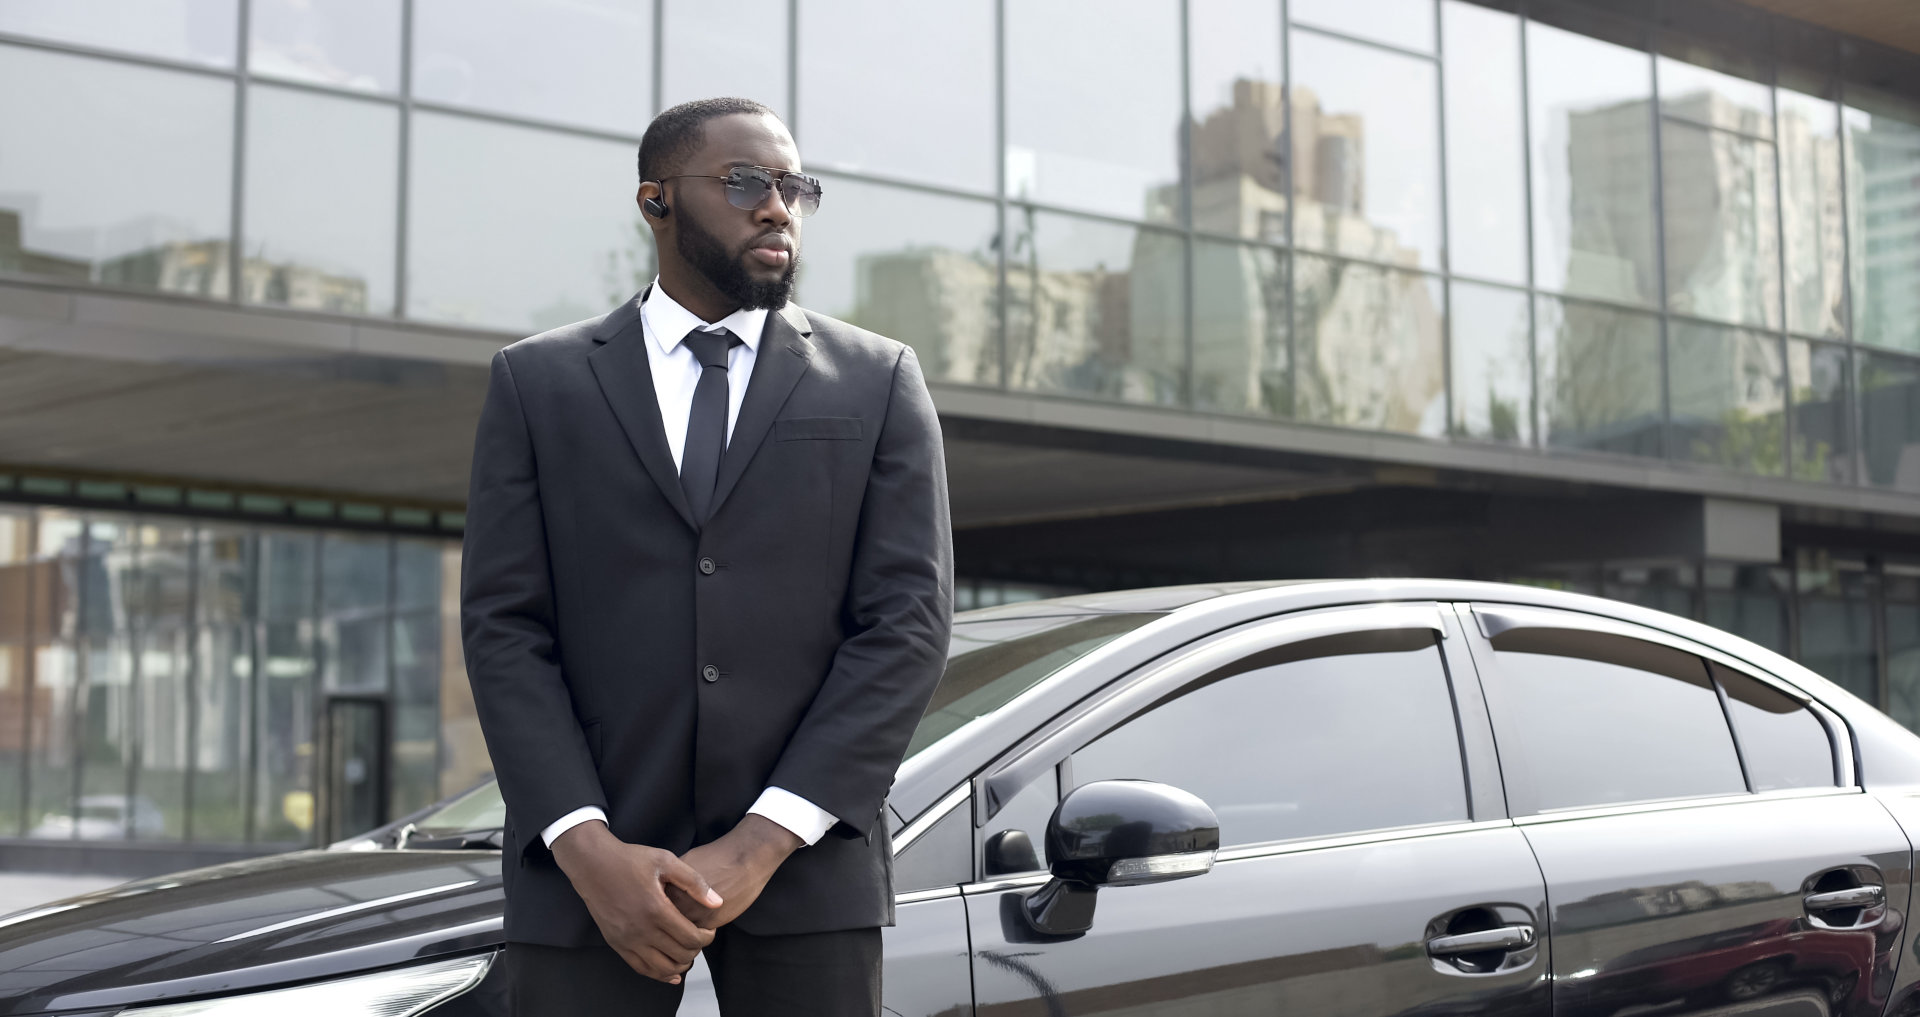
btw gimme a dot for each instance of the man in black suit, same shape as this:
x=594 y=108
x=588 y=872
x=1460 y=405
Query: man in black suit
x=706 y=595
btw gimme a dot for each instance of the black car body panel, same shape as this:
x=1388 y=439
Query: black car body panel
x=247 y=925
x=1655 y=906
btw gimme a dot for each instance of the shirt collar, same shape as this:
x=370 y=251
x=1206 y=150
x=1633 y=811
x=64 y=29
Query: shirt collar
x=669 y=322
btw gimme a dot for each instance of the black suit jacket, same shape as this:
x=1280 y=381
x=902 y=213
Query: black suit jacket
x=819 y=592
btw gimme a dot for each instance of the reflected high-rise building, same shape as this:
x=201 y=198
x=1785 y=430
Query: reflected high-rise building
x=203 y=267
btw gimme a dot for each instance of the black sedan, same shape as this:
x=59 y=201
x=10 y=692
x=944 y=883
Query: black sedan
x=1328 y=798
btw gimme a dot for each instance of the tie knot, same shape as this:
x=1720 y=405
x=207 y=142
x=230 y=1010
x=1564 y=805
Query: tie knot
x=711 y=347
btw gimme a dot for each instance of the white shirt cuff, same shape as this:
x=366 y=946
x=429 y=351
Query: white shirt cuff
x=807 y=821
x=572 y=819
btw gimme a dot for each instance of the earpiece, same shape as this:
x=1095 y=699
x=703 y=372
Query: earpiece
x=654 y=208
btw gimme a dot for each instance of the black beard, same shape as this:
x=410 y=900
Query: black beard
x=710 y=258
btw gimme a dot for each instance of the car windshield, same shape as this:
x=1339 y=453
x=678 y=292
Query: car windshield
x=989 y=662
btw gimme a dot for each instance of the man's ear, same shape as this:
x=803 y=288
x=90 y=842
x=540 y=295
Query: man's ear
x=651 y=200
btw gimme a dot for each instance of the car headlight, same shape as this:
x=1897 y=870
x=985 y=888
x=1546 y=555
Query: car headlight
x=400 y=992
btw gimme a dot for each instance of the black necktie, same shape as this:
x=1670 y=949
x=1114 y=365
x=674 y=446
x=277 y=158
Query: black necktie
x=707 y=421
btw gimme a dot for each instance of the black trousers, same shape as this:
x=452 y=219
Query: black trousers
x=828 y=974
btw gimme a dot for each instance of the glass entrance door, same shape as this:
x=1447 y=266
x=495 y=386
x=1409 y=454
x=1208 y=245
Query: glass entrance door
x=356 y=766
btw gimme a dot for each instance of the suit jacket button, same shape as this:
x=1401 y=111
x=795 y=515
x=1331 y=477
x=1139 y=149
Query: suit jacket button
x=710 y=673
x=707 y=566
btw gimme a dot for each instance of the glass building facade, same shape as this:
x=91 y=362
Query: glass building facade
x=1688 y=238
x=1683 y=234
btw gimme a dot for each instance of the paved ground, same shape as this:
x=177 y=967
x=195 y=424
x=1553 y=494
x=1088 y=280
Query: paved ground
x=22 y=890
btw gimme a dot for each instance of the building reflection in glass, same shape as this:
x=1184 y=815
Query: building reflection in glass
x=163 y=678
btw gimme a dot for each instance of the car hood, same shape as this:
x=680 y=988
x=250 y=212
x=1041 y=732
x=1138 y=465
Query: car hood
x=245 y=925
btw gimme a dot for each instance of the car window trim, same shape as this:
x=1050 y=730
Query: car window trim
x=934 y=814
x=1674 y=804
x=1839 y=738
x=1270 y=849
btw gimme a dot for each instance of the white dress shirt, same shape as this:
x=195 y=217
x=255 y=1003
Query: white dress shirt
x=664 y=323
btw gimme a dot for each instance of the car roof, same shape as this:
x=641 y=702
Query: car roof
x=1147 y=600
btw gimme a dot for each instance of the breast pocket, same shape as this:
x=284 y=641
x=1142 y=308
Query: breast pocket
x=817 y=428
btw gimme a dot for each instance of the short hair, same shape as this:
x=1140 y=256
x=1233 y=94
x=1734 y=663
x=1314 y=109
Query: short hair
x=674 y=133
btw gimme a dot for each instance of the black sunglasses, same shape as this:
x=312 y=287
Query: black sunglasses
x=748 y=187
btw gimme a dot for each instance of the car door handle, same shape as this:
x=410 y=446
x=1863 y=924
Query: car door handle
x=1510 y=937
x=1868 y=896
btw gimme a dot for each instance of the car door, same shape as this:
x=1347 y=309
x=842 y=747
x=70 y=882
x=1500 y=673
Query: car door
x=1360 y=836
x=1703 y=844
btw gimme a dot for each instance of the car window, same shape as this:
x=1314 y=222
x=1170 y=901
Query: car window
x=1360 y=737
x=1590 y=718
x=991 y=661
x=1781 y=741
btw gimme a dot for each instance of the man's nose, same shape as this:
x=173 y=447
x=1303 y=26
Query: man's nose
x=773 y=211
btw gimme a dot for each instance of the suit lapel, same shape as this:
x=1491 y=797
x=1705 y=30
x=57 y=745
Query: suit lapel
x=619 y=362
x=785 y=352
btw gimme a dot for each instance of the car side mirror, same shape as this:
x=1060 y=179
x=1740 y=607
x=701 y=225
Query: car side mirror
x=1118 y=833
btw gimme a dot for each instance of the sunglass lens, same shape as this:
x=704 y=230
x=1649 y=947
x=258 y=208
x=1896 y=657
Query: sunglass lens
x=747 y=186
x=801 y=193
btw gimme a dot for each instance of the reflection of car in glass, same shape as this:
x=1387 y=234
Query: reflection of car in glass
x=104 y=817
x=1326 y=798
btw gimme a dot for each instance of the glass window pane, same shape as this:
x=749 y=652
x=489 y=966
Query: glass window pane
x=283 y=768
x=1662 y=587
x=914 y=266
x=1890 y=420
x=587 y=62
x=1836 y=621
x=1118 y=150
x=1327 y=745
x=419 y=572
x=1822 y=431
x=195 y=31
x=222 y=703
x=1729 y=397
x=1239 y=119
x=938 y=106
x=1404 y=23
x=160 y=713
x=1733 y=96
x=59 y=546
x=1240 y=326
x=1749 y=601
x=307 y=151
x=1095 y=308
x=74 y=206
x=1723 y=253
x=415 y=780
x=344 y=43
x=22 y=588
x=1486 y=160
x=354 y=598
x=1883 y=195
x=1599 y=377
x=564 y=205
x=1592 y=135
x=1366 y=152
x=1781 y=742
x=1810 y=211
x=1596 y=719
x=105 y=811
x=1903 y=653
x=1368 y=353
x=736 y=48
x=1492 y=364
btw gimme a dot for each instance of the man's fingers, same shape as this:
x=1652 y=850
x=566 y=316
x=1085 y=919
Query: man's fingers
x=651 y=963
x=680 y=929
x=678 y=873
